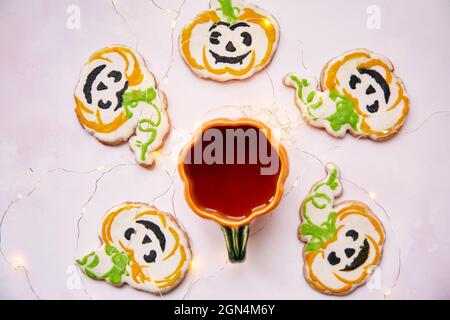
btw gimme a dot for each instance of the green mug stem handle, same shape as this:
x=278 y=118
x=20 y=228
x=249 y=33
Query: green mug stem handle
x=236 y=239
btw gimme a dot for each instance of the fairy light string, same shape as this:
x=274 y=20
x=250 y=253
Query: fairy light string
x=211 y=276
x=432 y=115
x=129 y=27
x=91 y=196
x=17 y=263
x=173 y=24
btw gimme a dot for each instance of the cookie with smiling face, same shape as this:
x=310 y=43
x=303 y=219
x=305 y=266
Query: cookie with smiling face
x=344 y=241
x=232 y=40
x=359 y=93
x=117 y=98
x=142 y=246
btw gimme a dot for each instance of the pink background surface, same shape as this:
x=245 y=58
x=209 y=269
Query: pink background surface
x=43 y=149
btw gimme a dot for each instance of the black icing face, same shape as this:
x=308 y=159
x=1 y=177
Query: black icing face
x=353 y=255
x=371 y=90
x=230 y=44
x=104 y=87
x=147 y=241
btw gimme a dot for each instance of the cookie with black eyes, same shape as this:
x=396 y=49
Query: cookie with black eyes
x=142 y=246
x=359 y=93
x=344 y=241
x=117 y=100
x=232 y=40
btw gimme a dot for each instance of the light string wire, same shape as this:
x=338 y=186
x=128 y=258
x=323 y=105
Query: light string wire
x=91 y=196
x=444 y=112
x=128 y=24
x=177 y=12
x=17 y=263
x=212 y=276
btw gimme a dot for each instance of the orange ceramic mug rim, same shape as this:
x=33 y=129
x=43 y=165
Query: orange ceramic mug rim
x=214 y=215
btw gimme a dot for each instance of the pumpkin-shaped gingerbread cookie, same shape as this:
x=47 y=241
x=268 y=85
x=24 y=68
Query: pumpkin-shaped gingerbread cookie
x=232 y=40
x=142 y=247
x=344 y=242
x=117 y=98
x=360 y=93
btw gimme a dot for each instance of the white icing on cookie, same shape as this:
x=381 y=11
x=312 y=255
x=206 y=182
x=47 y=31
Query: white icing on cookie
x=344 y=241
x=117 y=97
x=359 y=93
x=232 y=40
x=142 y=247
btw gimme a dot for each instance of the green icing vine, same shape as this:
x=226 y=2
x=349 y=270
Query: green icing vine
x=302 y=83
x=119 y=259
x=332 y=181
x=320 y=234
x=130 y=100
x=94 y=262
x=228 y=11
x=318 y=196
x=345 y=110
x=345 y=113
x=327 y=230
x=151 y=130
x=120 y=262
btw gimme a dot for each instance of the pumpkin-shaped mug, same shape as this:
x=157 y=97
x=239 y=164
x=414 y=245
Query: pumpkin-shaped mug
x=233 y=171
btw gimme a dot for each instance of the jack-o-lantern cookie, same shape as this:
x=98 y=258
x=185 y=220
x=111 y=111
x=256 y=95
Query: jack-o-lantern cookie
x=117 y=98
x=232 y=40
x=142 y=246
x=358 y=93
x=344 y=242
